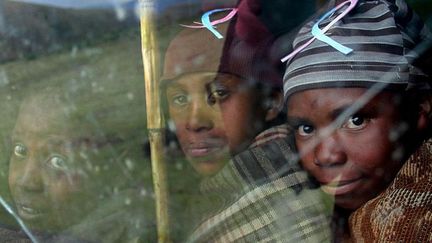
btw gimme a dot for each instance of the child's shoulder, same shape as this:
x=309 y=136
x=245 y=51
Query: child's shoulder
x=276 y=132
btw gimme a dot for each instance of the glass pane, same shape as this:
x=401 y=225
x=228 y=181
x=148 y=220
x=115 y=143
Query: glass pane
x=285 y=121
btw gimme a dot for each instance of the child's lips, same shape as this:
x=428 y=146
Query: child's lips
x=341 y=187
x=28 y=212
x=199 y=152
x=204 y=149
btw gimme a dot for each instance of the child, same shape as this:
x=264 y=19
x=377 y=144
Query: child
x=217 y=110
x=73 y=162
x=223 y=97
x=359 y=115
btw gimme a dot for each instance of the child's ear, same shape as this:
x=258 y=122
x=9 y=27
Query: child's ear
x=424 y=115
x=275 y=107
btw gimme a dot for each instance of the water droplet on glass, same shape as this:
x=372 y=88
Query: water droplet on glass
x=26 y=42
x=129 y=164
x=74 y=51
x=83 y=155
x=128 y=201
x=84 y=74
x=3 y=78
x=143 y=192
x=179 y=166
x=120 y=13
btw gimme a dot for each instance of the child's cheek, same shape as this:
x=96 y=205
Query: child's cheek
x=64 y=182
x=307 y=162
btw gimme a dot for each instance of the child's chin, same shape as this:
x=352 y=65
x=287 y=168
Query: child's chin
x=349 y=203
x=208 y=168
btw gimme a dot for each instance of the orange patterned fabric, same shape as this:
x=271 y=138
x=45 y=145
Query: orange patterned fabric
x=403 y=212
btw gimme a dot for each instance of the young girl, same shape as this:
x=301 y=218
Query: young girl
x=223 y=98
x=359 y=115
x=217 y=109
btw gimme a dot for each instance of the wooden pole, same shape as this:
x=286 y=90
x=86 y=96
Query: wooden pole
x=155 y=121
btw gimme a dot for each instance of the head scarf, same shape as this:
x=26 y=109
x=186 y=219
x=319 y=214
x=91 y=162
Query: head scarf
x=247 y=50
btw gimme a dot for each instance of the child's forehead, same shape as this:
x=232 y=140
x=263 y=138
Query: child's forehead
x=64 y=140
x=194 y=50
x=49 y=117
x=198 y=77
x=54 y=133
x=203 y=79
x=41 y=117
x=339 y=100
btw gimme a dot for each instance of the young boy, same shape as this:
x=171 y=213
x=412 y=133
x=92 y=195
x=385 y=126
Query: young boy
x=358 y=116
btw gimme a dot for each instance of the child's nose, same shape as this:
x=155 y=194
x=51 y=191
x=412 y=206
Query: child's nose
x=201 y=117
x=30 y=177
x=330 y=151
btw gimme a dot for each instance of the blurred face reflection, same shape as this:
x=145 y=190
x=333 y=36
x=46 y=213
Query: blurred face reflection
x=356 y=159
x=47 y=185
x=214 y=117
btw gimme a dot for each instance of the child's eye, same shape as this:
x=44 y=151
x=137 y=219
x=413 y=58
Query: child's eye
x=217 y=96
x=220 y=94
x=355 y=122
x=57 y=162
x=179 y=100
x=20 y=150
x=305 y=130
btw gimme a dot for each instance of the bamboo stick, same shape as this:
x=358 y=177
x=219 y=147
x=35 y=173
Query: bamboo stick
x=155 y=122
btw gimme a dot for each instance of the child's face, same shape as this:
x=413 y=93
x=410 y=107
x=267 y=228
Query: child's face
x=47 y=184
x=213 y=117
x=353 y=161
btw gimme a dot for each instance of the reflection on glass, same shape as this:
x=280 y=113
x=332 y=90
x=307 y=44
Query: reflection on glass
x=47 y=177
x=74 y=159
x=72 y=165
x=75 y=165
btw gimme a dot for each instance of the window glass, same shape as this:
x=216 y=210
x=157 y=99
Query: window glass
x=189 y=121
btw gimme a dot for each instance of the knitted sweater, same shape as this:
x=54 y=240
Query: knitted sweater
x=403 y=212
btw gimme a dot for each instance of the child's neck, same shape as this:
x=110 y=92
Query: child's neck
x=340 y=227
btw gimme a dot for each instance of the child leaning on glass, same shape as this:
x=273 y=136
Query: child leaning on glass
x=224 y=98
x=357 y=97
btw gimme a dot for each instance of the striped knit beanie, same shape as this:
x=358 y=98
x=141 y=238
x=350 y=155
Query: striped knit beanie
x=386 y=39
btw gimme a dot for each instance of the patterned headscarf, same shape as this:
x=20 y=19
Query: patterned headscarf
x=386 y=38
x=248 y=48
